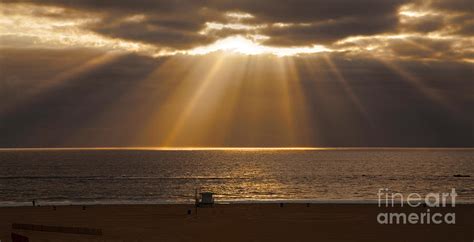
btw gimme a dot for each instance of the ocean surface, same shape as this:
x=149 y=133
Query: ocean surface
x=115 y=176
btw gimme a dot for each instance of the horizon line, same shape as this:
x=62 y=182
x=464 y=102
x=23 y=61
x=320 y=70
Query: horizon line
x=230 y=148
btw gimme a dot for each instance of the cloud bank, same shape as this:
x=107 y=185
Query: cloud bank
x=178 y=26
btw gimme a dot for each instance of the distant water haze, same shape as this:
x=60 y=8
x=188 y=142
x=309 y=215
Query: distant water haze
x=64 y=176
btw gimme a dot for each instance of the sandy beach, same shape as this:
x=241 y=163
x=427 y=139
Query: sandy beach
x=233 y=222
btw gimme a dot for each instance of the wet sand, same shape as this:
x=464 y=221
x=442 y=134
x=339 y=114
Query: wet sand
x=235 y=222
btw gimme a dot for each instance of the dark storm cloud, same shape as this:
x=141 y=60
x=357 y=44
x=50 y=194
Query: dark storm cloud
x=299 y=11
x=463 y=6
x=173 y=24
x=169 y=33
x=329 y=31
x=425 y=24
x=177 y=23
x=459 y=15
x=463 y=25
x=177 y=26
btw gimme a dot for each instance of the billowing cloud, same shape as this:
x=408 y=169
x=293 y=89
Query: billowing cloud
x=328 y=31
x=422 y=24
x=180 y=24
x=161 y=32
x=457 y=6
x=443 y=16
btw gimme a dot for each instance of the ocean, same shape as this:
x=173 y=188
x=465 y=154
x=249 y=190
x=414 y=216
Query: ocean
x=147 y=176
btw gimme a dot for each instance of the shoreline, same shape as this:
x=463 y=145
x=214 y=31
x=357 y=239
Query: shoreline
x=219 y=202
x=151 y=148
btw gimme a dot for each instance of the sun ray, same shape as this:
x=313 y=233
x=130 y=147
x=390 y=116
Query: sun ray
x=285 y=101
x=249 y=112
x=61 y=78
x=147 y=87
x=314 y=70
x=301 y=107
x=162 y=84
x=229 y=107
x=193 y=101
x=346 y=87
x=414 y=81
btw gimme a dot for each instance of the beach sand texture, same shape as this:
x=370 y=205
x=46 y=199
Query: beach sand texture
x=234 y=222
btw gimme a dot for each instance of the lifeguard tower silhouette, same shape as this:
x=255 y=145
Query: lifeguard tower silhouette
x=204 y=199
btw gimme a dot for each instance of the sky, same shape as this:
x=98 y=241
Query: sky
x=221 y=73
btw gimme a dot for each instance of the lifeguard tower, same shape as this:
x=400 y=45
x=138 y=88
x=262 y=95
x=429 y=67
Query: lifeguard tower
x=204 y=199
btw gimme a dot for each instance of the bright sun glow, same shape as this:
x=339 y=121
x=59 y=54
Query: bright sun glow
x=241 y=45
x=237 y=44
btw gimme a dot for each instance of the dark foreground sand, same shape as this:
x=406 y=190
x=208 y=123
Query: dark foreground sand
x=237 y=222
